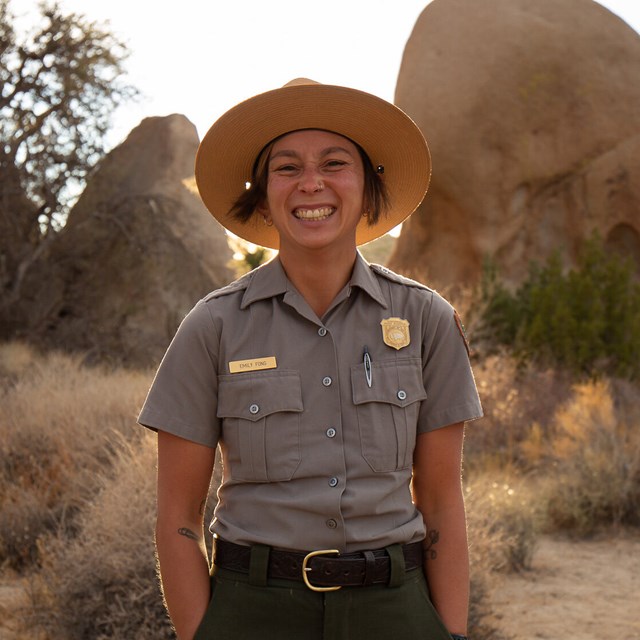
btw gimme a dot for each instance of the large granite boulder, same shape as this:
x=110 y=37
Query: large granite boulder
x=532 y=112
x=138 y=250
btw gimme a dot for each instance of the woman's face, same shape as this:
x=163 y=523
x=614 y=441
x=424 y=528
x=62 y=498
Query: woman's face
x=315 y=190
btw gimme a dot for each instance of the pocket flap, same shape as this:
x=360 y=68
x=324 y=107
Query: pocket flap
x=252 y=396
x=397 y=382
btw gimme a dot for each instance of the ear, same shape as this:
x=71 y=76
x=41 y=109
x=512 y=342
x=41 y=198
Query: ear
x=263 y=210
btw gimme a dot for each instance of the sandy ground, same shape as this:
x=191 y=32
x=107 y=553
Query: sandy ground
x=587 y=590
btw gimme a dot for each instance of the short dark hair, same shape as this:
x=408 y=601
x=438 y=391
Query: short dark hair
x=376 y=196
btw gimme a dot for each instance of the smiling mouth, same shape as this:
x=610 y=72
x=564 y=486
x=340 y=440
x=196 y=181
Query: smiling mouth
x=314 y=214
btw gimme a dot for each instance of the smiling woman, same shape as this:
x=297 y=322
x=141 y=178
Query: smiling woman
x=336 y=390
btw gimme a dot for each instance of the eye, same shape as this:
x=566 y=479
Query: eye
x=334 y=164
x=285 y=168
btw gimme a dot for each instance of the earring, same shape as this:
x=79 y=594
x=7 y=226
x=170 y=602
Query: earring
x=268 y=221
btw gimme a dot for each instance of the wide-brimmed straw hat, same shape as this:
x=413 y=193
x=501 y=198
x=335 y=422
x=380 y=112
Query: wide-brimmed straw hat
x=228 y=151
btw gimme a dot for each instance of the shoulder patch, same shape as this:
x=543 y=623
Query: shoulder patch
x=395 y=277
x=237 y=285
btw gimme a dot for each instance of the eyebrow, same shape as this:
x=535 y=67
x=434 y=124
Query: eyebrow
x=287 y=153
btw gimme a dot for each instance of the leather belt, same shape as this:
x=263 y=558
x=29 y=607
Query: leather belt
x=362 y=568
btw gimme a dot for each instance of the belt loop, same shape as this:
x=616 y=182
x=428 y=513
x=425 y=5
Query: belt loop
x=396 y=557
x=369 y=567
x=259 y=565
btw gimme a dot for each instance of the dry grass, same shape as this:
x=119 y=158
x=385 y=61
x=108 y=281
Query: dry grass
x=58 y=421
x=503 y=525
x=77 y=485
x=595 y=455
x=108 y=569
x=514 y=400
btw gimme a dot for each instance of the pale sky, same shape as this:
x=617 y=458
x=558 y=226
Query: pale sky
x=199 y=57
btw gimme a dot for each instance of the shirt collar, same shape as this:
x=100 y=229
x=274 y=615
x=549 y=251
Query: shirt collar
x=364 y=278
x=270 y=280
x=267 y=281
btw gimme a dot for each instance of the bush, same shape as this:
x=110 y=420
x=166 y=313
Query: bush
x=511 y=396
x=59 y=422
x=102 y=584
x=503 y=529
x=595 y=453
x=504 y=523
x=586 y=320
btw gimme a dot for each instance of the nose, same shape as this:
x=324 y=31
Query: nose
x=310 y=180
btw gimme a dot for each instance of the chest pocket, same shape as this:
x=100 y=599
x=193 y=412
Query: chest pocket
x=388 y=411
x=261 y=424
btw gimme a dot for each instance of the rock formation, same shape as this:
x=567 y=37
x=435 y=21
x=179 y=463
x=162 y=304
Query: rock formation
x=138 y=250
x=532 y=113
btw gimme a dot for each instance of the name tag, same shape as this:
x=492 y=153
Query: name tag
x=256 y=364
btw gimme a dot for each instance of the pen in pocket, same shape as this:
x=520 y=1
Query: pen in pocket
x=366 y=361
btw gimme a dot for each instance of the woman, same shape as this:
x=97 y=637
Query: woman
x=336 y=390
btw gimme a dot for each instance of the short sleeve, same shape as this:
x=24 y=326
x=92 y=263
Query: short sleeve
x=452 y=395
x=183 y=396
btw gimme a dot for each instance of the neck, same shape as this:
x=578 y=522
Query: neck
x=319 y=276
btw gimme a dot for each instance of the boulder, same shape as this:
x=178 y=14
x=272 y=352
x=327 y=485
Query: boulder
x=137 y=252
x=532 y=113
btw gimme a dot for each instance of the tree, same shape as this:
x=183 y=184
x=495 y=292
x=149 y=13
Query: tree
x=59 y=86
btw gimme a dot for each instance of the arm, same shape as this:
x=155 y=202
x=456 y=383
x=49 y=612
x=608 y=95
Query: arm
x=437 y=492
x=184 y=474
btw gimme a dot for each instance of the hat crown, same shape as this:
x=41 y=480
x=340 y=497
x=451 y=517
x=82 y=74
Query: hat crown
x=296 y=82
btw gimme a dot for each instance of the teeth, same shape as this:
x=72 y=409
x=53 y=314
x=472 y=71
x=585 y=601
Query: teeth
x=314 y=214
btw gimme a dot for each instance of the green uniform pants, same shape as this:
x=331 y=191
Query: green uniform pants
x=250 y=607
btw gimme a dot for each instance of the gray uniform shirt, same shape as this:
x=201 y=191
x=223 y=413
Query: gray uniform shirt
x=317 y=451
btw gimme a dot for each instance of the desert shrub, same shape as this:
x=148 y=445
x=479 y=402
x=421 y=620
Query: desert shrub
x=102 y=583
x=504 y=524
x=586 y=320
x=595 y=455
x=503 y=528
x=514 y=397
x=58 y=421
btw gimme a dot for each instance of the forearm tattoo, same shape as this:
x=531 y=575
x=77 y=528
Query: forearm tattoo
x=187 y=533
x=432 y=537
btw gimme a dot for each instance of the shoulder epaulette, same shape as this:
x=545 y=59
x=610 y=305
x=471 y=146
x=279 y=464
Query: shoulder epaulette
x=237 y=285
x=396 y=277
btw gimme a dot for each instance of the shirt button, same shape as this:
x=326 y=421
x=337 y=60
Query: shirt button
x=254 y=408
x=331 y=432
x=331 y=523
x=326 y=381
x=402 y=394
x=333 y=482
x=322 y=332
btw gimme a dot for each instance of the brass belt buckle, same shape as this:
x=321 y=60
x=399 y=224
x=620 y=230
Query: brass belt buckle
x=306 y=569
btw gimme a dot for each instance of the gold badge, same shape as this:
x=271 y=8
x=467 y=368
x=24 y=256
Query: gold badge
x=395 y=332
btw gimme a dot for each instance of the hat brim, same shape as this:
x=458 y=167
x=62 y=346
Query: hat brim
x=390 y=138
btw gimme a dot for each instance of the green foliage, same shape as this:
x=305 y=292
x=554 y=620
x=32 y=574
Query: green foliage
x=586 y=320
